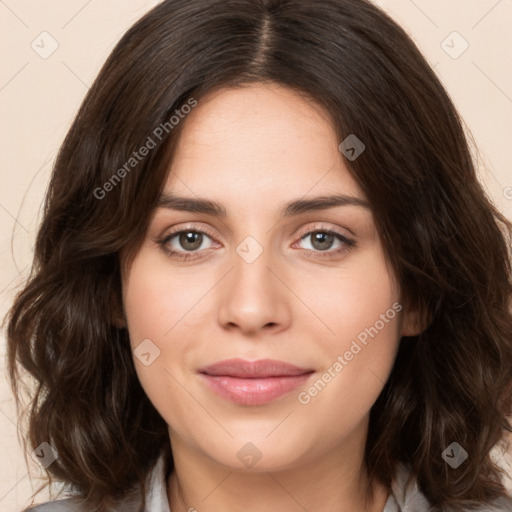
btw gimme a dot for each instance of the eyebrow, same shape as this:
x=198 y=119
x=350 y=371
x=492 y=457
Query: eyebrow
x=191 y=204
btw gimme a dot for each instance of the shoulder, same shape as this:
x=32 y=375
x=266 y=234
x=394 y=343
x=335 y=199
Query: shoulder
x=406 y=496
x=64 y=505
x=500 y=505
x=76 y=505
x=503 y=504
x=156 y=497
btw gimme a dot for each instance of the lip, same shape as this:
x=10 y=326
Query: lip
x=253 y=382
x=253 y=369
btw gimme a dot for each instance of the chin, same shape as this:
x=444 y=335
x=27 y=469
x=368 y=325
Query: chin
x=257 y=454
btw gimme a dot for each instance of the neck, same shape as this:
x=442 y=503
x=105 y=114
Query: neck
x=336 y=481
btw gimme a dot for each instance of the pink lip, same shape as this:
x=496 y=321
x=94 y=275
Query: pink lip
x=253 y=383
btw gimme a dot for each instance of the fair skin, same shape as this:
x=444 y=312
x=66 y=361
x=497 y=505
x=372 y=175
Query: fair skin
x=252 y=150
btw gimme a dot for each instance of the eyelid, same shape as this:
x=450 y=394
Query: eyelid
x=312 y=229
x=187 y=227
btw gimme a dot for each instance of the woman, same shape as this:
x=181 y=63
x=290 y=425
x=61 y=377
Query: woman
x=267 y=277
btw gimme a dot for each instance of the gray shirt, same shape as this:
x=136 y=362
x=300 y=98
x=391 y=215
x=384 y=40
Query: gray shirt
x=401 y=499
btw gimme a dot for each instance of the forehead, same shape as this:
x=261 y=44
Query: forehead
x=261 y=140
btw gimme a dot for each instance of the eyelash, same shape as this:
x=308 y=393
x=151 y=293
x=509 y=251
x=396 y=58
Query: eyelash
x=183 y=255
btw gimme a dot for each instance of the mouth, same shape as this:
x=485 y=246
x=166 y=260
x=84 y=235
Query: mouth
x=253 y=383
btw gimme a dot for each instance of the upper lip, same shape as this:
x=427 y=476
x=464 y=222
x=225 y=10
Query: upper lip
x=253 y=369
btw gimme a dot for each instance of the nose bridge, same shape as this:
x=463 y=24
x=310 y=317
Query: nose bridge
x=252 y=297
x=251 y=274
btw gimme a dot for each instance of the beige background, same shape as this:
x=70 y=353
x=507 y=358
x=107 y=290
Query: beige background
x=39 y=96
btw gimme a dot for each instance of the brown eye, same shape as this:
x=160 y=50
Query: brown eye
x=190 y=240
x=321 y=240
x=185 y=244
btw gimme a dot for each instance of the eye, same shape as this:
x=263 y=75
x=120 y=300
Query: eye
x=179 y=243
x=322 y=240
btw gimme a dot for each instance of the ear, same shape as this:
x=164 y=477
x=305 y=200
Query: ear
x=119 y=322
x=415 y=320
x=117 y=318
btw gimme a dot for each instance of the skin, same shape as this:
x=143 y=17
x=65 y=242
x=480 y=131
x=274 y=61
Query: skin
x=253 y=149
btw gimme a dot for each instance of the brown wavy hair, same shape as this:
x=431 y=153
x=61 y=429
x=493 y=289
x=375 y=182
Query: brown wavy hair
x=448 y=244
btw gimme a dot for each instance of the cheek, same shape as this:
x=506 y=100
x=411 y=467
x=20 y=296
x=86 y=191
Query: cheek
x=352 y=381
x=356 y=364
x=361 y=315
x=154 y=301
x=156 y=307
x=350 y=299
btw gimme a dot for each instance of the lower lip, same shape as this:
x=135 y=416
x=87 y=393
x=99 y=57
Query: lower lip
x=254 y=391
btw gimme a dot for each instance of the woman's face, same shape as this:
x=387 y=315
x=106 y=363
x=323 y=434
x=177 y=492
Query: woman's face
x=265 y=281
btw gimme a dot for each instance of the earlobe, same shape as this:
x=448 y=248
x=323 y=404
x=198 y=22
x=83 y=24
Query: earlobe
x=414 y=321
x=119 y=322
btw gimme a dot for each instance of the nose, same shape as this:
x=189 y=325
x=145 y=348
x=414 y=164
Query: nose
x=254 y=297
